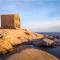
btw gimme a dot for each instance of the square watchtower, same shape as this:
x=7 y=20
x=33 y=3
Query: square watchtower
x=10 y=21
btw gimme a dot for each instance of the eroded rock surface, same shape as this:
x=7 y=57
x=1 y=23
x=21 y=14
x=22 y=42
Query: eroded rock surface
x=32 y=54
x=11 y=37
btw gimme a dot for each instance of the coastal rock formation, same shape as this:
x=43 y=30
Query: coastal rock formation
x=11 y=37
x=45 y=42
x=32 y=54
x=49 y=42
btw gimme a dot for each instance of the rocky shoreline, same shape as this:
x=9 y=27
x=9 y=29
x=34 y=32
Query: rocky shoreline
x=10 y=39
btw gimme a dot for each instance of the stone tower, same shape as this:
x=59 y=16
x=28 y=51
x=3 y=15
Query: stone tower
x=10 y=21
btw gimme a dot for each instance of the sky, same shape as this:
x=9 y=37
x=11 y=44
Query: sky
x=36 y=15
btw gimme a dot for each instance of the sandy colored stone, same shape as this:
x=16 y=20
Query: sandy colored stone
x=39 y=36
x=2 y=50
x=6 y=44
x=32 y=54
x=48 y=41
x=11 y=37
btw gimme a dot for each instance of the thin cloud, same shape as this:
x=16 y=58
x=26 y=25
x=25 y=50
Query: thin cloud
x=37 y=15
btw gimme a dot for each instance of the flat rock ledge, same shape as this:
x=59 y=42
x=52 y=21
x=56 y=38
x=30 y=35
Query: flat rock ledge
x=32 y=54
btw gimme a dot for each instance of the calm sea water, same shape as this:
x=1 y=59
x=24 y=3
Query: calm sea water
x=55 y=51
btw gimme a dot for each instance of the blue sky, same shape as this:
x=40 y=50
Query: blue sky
x=36 y=15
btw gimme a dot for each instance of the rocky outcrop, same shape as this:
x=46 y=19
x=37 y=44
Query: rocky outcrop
x=50 y=42
x=45 y=43
x=32 y=54
x=12 y=37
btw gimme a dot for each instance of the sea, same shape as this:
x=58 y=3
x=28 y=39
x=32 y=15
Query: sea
x=56 y=50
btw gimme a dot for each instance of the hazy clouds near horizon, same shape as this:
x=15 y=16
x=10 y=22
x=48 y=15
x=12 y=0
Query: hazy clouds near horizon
x=36 y=15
